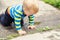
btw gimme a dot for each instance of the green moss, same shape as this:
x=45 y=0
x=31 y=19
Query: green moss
x=3 y=39
x=44 y=29
x=37 y=23
x=58 y=26
x=12 y=36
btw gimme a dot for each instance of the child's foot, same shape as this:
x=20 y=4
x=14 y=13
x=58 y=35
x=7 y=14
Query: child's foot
x=21 y=32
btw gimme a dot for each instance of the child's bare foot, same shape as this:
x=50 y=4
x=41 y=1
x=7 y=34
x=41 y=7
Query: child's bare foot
x=21 y=32
x=31 y=27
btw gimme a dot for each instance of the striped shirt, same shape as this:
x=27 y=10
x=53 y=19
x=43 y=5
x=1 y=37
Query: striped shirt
x=17 y=13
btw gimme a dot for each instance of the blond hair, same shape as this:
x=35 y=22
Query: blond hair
x=32 y=4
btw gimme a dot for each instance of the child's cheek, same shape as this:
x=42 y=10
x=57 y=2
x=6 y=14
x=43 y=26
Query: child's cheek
x=27 y=13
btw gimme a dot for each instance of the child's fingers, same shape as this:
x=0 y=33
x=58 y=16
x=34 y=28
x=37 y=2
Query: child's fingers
x=22 y=32
x=31 y=27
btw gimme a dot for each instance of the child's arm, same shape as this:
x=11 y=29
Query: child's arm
x=18 y=23
x=31 y=22
x=31 y=19
x=17 y=20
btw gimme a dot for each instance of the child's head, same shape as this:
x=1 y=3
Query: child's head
x=30 y=7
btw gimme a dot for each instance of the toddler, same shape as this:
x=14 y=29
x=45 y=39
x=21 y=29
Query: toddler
x=16 y=14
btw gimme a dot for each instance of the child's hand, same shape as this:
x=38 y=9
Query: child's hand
x=21 y=32
x=31 y=27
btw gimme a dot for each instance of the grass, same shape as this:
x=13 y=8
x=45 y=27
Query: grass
x=37 y=23
x=12 y=36
x=3 y=39
x=55 y=3
x=44 y=29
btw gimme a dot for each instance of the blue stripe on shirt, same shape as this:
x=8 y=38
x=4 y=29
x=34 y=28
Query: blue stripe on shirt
x=17 y=25
x=17 y=20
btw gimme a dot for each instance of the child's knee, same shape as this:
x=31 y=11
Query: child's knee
x=5 y=24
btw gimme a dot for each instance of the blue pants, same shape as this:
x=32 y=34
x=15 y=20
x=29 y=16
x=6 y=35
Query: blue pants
x=6 y=19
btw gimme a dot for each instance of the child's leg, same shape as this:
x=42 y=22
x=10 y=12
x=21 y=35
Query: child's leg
x=0 y=16
x=6 y=20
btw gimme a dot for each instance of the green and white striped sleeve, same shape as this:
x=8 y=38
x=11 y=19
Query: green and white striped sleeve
x=17 y=19
x=31 y=19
